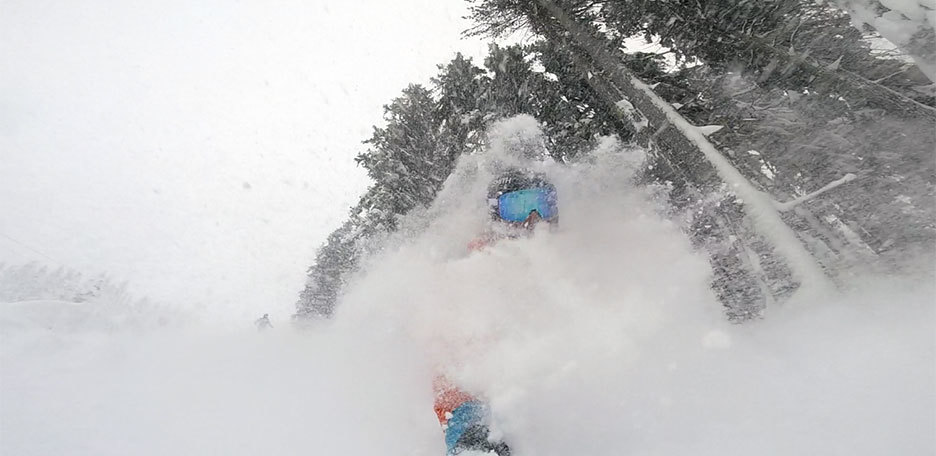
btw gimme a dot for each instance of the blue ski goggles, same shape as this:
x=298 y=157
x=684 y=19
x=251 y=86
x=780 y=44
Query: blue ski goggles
x=516 y=206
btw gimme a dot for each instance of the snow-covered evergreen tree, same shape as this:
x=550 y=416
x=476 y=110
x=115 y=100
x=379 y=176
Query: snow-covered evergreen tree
x=427 y=130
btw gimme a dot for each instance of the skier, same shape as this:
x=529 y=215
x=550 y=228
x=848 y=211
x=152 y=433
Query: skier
x=518 y=201
x=263 y=322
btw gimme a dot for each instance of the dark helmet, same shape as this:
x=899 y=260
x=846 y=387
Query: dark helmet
x=512 y=180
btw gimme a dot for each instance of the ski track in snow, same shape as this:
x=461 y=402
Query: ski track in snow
x=599 y=338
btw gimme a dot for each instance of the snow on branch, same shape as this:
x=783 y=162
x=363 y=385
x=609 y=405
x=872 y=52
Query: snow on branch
x=637 y=120
x=708 y=130
x=783 y=207
x=759 y=205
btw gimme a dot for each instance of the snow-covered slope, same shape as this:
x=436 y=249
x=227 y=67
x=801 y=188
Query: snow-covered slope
x=599 y=338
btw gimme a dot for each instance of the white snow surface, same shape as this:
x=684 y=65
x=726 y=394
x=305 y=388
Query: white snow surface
x=600 y=337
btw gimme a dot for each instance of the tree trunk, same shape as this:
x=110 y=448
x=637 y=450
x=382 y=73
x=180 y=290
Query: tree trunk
x=692 y=150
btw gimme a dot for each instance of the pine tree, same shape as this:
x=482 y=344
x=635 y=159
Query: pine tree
x=428 y=129
x=408 y=159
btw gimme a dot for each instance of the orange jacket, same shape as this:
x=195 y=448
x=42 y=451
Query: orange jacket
x=447 y=398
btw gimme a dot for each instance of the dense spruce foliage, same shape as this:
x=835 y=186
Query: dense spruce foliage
x=802 y=97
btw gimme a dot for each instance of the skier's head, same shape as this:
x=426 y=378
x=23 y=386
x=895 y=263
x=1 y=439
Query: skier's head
x=520 y=198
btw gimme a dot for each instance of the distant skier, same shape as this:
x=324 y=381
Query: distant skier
x=263 y=322
x=518 y=201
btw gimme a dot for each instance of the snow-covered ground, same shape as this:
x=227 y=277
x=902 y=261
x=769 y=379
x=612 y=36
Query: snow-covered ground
x=598 y=338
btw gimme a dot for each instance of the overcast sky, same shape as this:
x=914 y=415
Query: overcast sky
x=199 y=150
